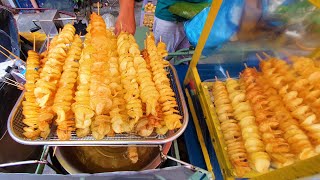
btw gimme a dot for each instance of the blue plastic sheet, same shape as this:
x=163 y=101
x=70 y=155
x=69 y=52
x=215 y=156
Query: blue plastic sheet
x=226 y=25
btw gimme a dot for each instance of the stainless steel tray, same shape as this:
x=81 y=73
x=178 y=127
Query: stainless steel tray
x=15 y=126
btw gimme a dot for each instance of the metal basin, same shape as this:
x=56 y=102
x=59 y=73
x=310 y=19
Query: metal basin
x=97 y=159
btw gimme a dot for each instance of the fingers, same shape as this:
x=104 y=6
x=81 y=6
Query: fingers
x=125 y=27
x=116 y=30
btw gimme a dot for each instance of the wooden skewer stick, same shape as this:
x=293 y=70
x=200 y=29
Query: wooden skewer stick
x=15 y=82
x=10 y=53
x=20 y=87
x=121 y=28
x=54 y=151
x=228 y=74
x=6 y=56
x=304 y=47
x=266 y=55
x=216 y=78
x=245 y=65
x=34 y=42
x=48 y=42
x=98 y=8
x=10 y=83
x=160 y=39
x=259 y=57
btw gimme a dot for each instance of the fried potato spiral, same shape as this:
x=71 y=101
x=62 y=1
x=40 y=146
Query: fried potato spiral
x=64 y=96
x=258 y=158
x=312 y=73
x=118 y=113
x=119 y=117
x=129 y=75
x=161 y=48
x=81 y=107
x=294 y=135
x=293 y=100
x=166 y=100
x=148 y=91
x=307 y=83
x=46 y=86
x=272 y=136
x=100 y=81
x=30 y=107
x=230 y=129
x=303 y=113
x=100 y=92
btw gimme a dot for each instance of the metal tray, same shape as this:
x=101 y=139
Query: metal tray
x=15 y=126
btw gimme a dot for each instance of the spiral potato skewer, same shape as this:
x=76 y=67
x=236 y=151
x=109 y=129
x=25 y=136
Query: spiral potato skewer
x=303 y=113
x=64 y=96
x=311 y=73
x=307 y=83
x=162 y=49
x=294 y=135
x=258 y=158
x=129 y=77
x=30 y=107
x=309 y=93
x=307 y=89
x=155 y=120
x=148 y=91
x=118 y=113
x=81 y=107
x=230 y=129
x=167 y=99
x=272 y=136
x=298 y=108
x=100 y=90
x=46 y=86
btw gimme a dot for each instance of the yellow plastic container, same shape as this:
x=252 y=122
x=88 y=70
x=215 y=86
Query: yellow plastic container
x=298 y=169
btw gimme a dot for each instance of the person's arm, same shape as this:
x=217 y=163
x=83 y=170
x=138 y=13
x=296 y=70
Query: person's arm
x=126 y=19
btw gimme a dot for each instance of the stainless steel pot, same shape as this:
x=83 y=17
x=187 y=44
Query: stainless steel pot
x=97 y=159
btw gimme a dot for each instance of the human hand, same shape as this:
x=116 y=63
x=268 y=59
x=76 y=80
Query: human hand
x=125 y=23
x=126 y=19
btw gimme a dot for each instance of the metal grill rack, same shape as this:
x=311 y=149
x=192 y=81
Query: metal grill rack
x=15 y=126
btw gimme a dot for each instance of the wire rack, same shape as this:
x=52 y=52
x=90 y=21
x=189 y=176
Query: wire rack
x=15 y=126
